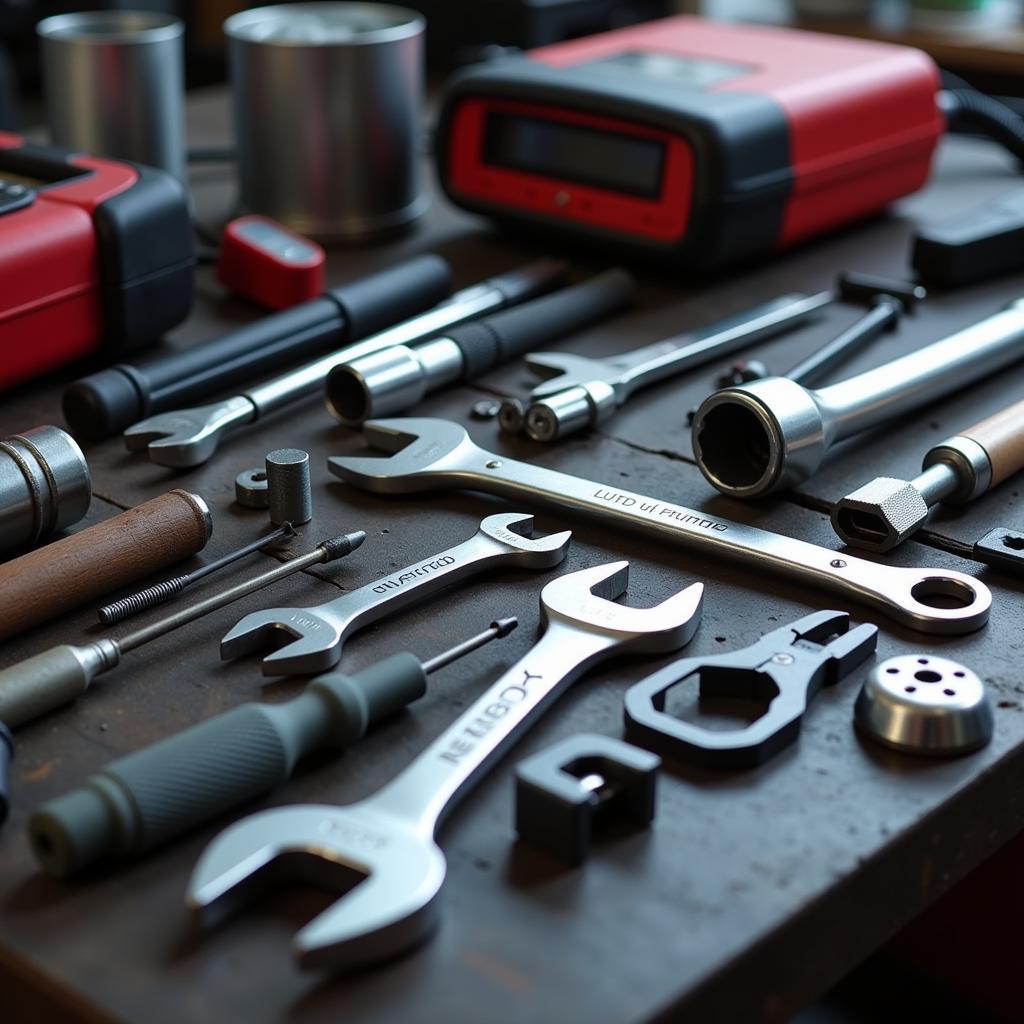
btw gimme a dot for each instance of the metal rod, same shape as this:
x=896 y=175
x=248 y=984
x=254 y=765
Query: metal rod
x=496 y=630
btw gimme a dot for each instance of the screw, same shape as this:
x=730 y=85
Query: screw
x=783 y=659
x=837 y=563
x=494 y=464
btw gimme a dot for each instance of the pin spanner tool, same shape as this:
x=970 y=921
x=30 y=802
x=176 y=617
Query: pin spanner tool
x=583 y=391
x=785 y=668
x=433 y=454
x=388 y=838
x=316 y=634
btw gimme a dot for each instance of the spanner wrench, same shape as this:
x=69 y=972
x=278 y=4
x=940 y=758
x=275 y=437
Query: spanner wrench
x=388 y=838
x=504 y=540
x=434 y=454
x=584 y=391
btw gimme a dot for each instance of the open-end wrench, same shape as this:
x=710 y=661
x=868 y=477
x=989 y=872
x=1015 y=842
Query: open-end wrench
x=188 y=437
x=316 y=634
x=389 y=837
x=430 y=454
x=584 y=391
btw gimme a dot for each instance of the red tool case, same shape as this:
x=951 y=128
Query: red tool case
x=95 y=255
x=702 y=141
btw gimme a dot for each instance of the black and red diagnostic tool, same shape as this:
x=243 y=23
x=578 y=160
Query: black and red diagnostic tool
x=95 y=254
x=695 y=142
x=265 y=262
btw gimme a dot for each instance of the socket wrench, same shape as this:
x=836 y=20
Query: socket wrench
x=771 y=434
x=389 y=837
x=430 y=454
x=313 y=636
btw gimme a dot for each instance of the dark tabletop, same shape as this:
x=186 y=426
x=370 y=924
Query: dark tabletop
x=752 y=892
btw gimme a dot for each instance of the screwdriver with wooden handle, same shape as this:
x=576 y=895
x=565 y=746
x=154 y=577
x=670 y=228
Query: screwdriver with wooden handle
x=157 y=793
x=886 y=511
x=57 y=676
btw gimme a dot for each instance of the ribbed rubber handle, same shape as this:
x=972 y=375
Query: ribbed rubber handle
x=151 y=796
x=1002 y=437
x=71 y=572
x=495 y=339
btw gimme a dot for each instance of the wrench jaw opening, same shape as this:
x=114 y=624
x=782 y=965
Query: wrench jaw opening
x=390 y=879
x=562 y=370
x=187 y=437
x=306 y=643
x=420 y=453
x=529 y=553
x=934 y=601
x=760 y=437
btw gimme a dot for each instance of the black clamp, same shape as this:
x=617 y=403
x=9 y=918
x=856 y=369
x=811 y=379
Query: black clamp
x=564 y=791
x=785 y=668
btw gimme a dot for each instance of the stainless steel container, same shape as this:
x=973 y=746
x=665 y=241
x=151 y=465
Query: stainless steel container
x=328 y=102
x=115 y=85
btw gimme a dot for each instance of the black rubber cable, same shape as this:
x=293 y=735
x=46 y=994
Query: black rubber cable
x=971 y=109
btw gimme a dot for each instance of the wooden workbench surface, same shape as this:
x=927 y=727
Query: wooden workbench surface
x=752 y=892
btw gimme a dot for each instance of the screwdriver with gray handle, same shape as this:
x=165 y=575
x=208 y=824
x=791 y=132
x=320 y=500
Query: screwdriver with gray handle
x=155 y=794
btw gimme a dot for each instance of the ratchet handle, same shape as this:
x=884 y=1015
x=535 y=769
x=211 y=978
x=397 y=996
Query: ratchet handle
x=495 y=339
x=156 y=794
x=1002 y=437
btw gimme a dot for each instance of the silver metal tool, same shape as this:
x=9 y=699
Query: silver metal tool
x=188 y=437
x=44 y=486
x=431 y=454
x=57 y=676
x=389 y=837
x=313 y=637
x=884 y=512
x=251 y=489
x=157 y=793
x=159 y=593
x=585 y=391
x=922 y=704
x=288 y=486
x=772 y=434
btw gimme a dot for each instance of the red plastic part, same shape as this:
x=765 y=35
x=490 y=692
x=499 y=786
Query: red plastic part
x=663 y=219
x=863 y=121
x=285 y=274
x=50 y=302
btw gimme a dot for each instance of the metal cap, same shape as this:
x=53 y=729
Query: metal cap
x=922 y=704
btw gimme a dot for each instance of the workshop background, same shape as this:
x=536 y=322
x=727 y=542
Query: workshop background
x=929 y=932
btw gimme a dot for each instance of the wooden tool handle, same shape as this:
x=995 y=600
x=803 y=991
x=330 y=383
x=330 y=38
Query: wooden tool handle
x=70 y=572
x=1002 y=437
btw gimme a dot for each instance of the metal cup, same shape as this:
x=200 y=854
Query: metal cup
x=115 y=85
x=328 y=102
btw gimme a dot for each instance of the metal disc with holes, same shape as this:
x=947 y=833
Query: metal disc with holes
x=925 y=705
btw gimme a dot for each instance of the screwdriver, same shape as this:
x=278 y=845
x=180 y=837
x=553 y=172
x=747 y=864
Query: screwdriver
x=58 y=675
x=157 y=793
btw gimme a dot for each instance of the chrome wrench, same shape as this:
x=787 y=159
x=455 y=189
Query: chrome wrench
x=313 y=636
x=586 y=391
x=388 y=838
x=433 y=454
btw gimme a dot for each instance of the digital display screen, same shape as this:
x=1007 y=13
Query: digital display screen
x=588 y=156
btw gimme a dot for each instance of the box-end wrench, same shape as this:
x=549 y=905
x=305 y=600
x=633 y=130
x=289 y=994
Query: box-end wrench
x=773 y=433
x=430 y=454
x=586 y=391
x=389 y=837
x=189 y=437
x=316 y=634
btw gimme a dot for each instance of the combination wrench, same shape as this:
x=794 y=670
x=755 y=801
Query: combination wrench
x=316 y=634
x=389 y=838
x=583 y=391
x=773 y=433
x=428 y=454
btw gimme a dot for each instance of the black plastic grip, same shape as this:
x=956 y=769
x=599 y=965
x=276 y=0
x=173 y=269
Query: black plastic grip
x=104 y=403
x=494 y=339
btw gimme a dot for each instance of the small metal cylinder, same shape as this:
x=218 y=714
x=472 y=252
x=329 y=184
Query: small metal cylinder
x=288 y=486
x=44 y=486
x=328 y=103
x=115 y=85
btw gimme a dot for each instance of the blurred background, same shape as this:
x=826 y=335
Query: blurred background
x=981 y=41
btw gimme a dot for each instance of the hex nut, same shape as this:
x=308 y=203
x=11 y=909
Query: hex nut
x=251 y=490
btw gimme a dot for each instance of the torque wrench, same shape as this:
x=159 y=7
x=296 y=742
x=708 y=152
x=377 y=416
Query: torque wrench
x=188 y=437
x=389 y=837
x=432 y=454
x=772 y=434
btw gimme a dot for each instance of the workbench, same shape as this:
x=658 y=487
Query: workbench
x=752 y=892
